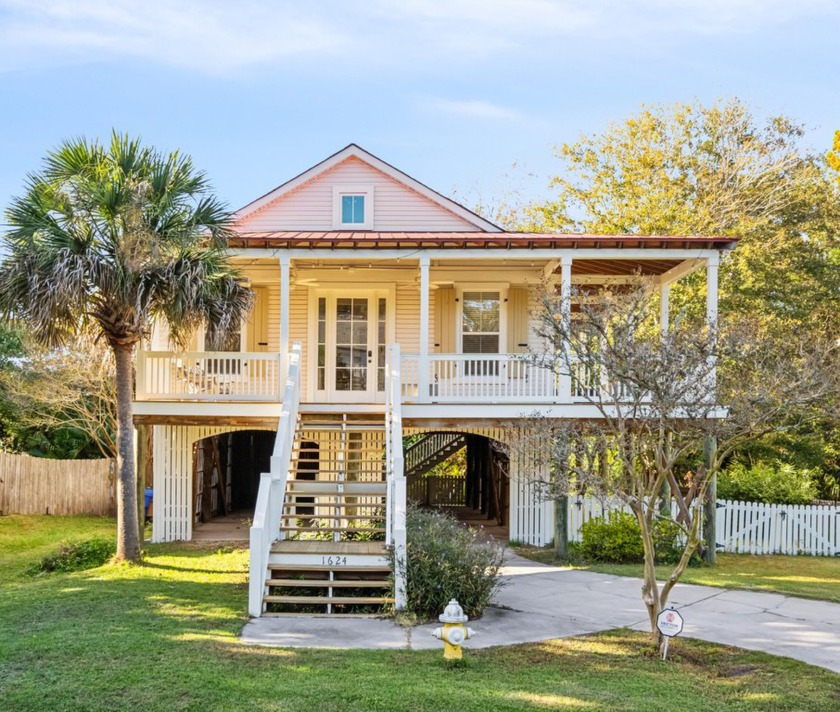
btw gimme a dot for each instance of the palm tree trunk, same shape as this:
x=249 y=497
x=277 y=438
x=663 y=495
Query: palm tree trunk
x=128 y=533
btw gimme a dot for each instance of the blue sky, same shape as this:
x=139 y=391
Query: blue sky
x=454 y=92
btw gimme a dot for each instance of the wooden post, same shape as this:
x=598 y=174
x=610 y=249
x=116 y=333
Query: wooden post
x=561 y=527
x=144 y=470
x=710 y=506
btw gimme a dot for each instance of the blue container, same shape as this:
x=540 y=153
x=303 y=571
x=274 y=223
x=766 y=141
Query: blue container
x=149 y=497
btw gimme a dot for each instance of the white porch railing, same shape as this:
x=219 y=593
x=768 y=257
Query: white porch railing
x=272 y=493
x=209 y=375
x=459 y=378
x=499 y=378
x=395 y=528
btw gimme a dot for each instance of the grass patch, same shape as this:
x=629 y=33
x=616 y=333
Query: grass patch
x=816 y=577
x=162 y=635
x=24 y=540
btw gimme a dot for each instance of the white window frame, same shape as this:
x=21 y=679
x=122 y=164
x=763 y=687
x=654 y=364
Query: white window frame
x=340 y=191
x=502 y=289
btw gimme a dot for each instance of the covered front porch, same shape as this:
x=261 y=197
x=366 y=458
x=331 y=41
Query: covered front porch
x=464 y=320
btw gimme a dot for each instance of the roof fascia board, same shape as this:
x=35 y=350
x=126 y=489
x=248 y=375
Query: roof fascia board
x=344 y=253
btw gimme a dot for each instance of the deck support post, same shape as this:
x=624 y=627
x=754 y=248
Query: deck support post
x=285 y=292
x=423 y=365
x=710 y=506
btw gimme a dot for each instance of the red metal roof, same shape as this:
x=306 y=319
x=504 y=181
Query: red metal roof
x=476 y=240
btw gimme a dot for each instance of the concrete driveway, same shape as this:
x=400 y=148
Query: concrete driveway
x=542 y=602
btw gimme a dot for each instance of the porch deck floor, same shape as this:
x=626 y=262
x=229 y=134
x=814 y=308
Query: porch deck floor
x=303 y=546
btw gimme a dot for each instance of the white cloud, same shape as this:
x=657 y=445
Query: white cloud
x=218 y=36
x=475 y=108
x=213 y=37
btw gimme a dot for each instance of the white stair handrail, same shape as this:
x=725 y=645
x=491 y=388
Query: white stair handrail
x=265 y=528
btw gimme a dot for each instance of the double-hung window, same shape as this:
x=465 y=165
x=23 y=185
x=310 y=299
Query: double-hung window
x=481 y=327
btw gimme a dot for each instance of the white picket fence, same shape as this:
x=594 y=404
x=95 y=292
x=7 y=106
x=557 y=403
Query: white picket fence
x=744 y=527
x=754 y=528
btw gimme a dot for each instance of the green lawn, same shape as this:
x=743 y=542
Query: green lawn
x=163 y=636
x=806 y=576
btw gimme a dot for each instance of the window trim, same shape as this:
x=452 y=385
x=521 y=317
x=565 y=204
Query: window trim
x=502 y=289
x=365 y=191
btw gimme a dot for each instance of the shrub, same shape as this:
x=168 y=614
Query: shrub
x=445 y=560
x=618 y=540
x=772 y=483
x=77 y=556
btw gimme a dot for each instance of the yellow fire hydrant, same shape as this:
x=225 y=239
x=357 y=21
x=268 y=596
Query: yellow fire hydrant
x=454 y=632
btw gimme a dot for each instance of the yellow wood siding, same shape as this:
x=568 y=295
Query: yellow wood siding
x=299 y=328
x=445 y=313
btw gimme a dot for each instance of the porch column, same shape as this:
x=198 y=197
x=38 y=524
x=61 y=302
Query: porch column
x=423 y=365
x=712 y=290
x=285 y=291
x=565 y=380
x=712 y=308
x=664 y=308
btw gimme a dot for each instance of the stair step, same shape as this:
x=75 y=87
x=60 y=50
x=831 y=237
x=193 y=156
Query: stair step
x=367 y=530
x=325 y=583
x=338 y=427
x=354 y=517
x=296 y=614
x=303 y=487
x=318 y=567
x=326 y=600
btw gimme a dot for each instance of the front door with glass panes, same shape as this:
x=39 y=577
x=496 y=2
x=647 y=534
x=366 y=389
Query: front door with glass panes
x=350 y=356
x=482 y=326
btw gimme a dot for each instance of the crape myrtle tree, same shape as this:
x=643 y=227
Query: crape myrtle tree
x=662 y=399
x=106 y=239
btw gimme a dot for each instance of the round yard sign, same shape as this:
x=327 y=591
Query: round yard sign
x=669 y=622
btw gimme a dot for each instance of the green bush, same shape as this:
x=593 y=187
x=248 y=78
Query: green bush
x=77 y=556
x=772 y=483
x=445 y=560
x=618 y=540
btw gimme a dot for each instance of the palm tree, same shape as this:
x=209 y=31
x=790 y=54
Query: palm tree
x=110 y=238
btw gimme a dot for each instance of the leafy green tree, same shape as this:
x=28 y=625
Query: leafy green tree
x=833 y=157
x=691 y=169
x=713 y=170
x=61 y=402
x=107 y=239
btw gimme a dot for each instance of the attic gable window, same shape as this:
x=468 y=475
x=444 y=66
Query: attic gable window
x=353 y=207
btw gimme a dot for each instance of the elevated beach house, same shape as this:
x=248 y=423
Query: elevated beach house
x=387 y=334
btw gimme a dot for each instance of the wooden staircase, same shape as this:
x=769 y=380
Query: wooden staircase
x=331 y=558
x=430 y=450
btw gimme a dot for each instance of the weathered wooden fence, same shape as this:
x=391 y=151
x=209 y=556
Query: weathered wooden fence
x=36 y=485
x=437 y=491
x=745 y=527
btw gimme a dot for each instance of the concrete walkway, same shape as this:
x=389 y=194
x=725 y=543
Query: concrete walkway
x=542 y=602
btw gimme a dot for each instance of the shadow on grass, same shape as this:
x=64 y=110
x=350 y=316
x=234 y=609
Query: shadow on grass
x=164 y=636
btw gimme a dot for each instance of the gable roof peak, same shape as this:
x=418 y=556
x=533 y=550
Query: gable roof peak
x=356 y=151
